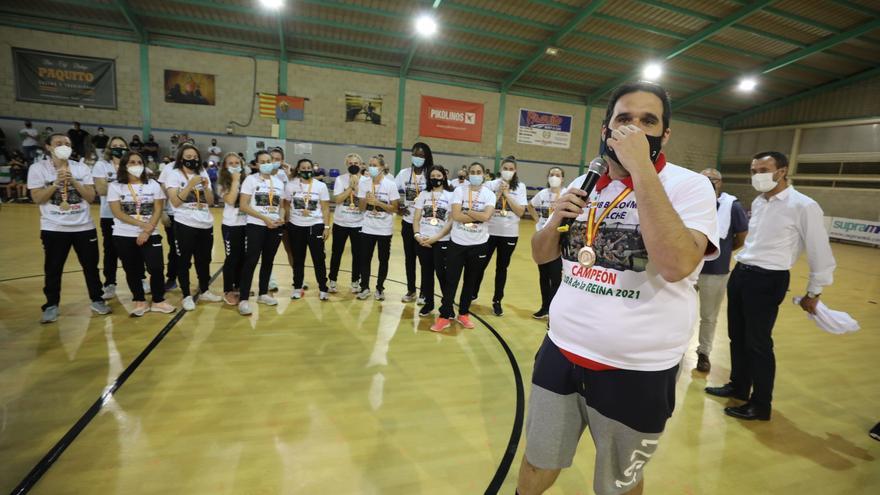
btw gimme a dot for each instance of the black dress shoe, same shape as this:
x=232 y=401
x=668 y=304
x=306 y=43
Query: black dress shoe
x=496 y=308
x=748 y=411
x=725 y=390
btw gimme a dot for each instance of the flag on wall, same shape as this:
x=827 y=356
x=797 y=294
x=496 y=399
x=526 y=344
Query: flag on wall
x=282 y=107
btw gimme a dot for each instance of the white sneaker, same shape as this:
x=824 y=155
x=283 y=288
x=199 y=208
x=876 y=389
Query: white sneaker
x=364 y=294
x=146 y=284
x=244 y=308
x=109 y=292
x=188 y=303
x=408 y=297
x=273 y=284
x=355 y=287
x=380 y=295
x=209 y=296
x=420 y=301
x=267 y=300
x=331 y=287
x=323 y=296
x=297 y=294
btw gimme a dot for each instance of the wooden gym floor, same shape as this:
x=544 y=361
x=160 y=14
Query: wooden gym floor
x=355 y=396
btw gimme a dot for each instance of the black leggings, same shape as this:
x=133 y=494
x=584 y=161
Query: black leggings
x=260 y=241
x=471 y=260
x=313 y=238
x=505 y=247
x=549 y=278
x=171 y=266
x=233 y=243
x=340 y=234
x=193 y=245
x=56 y=247
x=134 y=258
x=433 y=260
x=368 y=245
x=111 y=259
x=409 y=255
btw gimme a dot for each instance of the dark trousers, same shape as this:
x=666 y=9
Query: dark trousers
x=471 y=260
x=56 y=247
x=111 y=259
x=433 y=261
x=193 y=245
x=313 y=239
x=549 y=278
x=260 y=241
x=505 y=247
x=409 y=255
x=368 y=245
x=753 y=299
x=171 y=266
x=233 y=243
x=340 y=234
x=134 y=258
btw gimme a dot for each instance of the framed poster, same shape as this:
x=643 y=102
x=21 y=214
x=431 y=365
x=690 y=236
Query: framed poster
x=61 y=79
x=191 y=88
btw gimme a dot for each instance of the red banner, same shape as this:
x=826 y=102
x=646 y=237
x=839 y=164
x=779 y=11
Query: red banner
x=451 y=119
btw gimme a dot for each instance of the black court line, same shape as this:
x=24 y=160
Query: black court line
x=55 y=452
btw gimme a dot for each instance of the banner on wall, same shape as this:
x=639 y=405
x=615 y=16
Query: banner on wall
x=855 y=230
x=544 y=129
x=192 y=88
x=363 y=108
x=59 y=79
x=282 y=107
x=451 y=119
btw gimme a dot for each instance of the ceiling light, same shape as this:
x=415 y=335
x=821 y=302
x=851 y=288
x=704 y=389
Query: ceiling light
x=652 y=71
x=747 y=84
x=272 y=4
x=552 y=51
x=426 y=26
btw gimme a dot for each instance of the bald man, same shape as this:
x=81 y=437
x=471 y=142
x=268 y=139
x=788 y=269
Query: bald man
x=712 y=284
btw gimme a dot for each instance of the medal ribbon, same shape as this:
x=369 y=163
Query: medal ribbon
x=593 y=226
x=414 y=182
x=307 y=197
x=433 y=205
x=552 y=202
x=195 y=189
x=137 y=203
x=64 y=189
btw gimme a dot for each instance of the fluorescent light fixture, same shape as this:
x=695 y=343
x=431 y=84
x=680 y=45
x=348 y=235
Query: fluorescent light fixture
x=652 y=71
x=426 y=26
x=272 y=4
x=552 y=51
x=747 y=84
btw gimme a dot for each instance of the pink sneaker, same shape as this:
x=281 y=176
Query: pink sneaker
x=231 y=298
x=465 y=321
x=162 y=307
x=440 y=324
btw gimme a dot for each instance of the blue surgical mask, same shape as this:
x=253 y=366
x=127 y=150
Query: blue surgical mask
x=233 y=170
x=276 y=165
x=374 y=171
x=267 y=168
x=418 y=161
x=476 y=180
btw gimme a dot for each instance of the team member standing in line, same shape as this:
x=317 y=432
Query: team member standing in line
x=168 y=222
x=379 y=199
x=540 y=208
x=432 y=224
x=347 y=221
x=104 y=173
x=472 y=207
x=309 y=226
x=410 y=182
x=232 y=174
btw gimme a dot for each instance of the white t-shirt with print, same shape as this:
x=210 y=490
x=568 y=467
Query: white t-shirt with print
x=348 y=212
x=164 y=170
x=409 y=186
x=621 y=312
x=428 y=201
x=146 y=195
x=377 y=221
x=77 y=217
x=104 y=170
x=193 y=212
x=305 y=202
x=267 y=196
x=506 y=225
x=471 y=234
x=543 y=205
x=232 y=214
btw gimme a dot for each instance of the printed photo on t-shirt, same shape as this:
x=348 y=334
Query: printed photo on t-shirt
x=410 y=192
x=543 y=211
x=73 y=197
x=300 y=204
x=351 y=202
x=130 y=208
x=618 y=246
x=261 y=198
x=428 y=212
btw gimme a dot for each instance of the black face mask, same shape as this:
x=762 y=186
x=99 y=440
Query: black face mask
x=117 y=152
x=353 y=169
x=191 y=164
x=655 y=143
x=461 y=177
x=305 y=174
x=435 y=183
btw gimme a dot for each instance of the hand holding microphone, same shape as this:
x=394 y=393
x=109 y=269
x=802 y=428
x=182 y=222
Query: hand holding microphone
x=572 y=203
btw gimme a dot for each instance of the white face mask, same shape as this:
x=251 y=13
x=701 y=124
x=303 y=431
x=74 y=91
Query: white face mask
x=763 y=182
x=507 y=175
x=554 y=181
x=62 y=152
x=136 y=170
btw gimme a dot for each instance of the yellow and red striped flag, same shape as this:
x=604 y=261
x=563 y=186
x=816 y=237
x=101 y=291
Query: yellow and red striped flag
x=267 y=105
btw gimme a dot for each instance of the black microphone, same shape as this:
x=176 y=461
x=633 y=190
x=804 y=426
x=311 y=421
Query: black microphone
x=598 y=168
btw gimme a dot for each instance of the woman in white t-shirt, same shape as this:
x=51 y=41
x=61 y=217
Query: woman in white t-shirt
x=63 y=189
x=432 y=224
x=510 y=205
x=379 y=200
x=347 y=221
x=410 y=182
x=104 y=173
x=284 y=173
x=472 y=207
x=188 y=187
x=232 y=227
x=263 y=200
x=309 y=225
x=136 y=203
x=540 y=208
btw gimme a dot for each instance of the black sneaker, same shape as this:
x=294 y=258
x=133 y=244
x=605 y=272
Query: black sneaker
x=496 y=308
x=875 y=432
x=540 y=314
x=426 y=310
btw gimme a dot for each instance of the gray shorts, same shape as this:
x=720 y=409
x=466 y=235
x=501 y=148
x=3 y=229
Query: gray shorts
x=625 y=410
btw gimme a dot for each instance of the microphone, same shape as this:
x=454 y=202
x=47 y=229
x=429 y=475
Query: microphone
x=598 y=168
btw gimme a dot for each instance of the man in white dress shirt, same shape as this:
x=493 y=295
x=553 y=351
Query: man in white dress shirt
x=784 y=223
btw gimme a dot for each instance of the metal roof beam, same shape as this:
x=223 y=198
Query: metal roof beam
x=132 y=20
x=787 y=59
x=572 y=24
x=691 y=41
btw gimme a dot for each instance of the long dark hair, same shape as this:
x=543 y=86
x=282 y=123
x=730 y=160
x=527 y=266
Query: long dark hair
x=429 y=157
x=446 y=186
x=122 y=174
x=514 y=182
x=178 y=160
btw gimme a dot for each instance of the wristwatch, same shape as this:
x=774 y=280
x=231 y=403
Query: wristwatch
x=813 y=295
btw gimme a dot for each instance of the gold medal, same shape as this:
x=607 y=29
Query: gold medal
x=587 y=256
x=64 y=206
x=434 y=221
x=503 y=213
x=469 y=225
